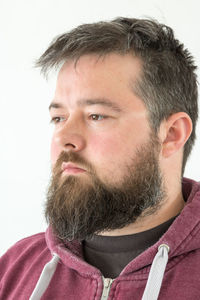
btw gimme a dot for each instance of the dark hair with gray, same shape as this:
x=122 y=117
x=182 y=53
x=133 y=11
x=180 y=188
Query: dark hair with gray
x=168 y=83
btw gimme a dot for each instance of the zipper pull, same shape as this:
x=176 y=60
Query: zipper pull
x=107 y=282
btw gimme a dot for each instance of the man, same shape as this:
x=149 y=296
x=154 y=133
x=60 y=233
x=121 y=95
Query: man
x=123 y=223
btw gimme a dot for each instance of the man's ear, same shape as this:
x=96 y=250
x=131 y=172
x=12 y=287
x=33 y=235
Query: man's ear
x=175 y=132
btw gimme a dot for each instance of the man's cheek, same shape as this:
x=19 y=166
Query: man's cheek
x=99 y=144
x=104 y=148
x=55 y=151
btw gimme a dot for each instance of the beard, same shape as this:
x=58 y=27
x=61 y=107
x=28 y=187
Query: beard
x=79 y=207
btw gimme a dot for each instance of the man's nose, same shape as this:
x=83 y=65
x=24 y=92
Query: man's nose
x=70 y=136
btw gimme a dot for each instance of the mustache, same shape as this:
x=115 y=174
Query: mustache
x=73 y=157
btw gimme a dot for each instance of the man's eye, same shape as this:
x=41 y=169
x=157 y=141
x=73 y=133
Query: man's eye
x=96 y=117
x=56 y=120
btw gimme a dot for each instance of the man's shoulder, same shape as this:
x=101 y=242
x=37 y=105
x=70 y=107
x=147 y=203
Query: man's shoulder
x=32 y=241
x=25 y=249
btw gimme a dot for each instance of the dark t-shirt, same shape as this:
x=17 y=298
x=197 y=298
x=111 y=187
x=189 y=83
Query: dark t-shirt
x=110 y=254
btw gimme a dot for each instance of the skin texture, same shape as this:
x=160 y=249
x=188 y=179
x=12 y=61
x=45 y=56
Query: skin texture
x=108 y=134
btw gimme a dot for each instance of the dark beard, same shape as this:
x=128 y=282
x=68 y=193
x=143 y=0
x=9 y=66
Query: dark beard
x=78 y=209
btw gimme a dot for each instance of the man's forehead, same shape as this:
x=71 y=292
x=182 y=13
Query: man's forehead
x=127 y=62
x=108 y=81
x=112 y=72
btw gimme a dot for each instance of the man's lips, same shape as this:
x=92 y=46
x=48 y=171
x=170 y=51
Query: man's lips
x=71 y=168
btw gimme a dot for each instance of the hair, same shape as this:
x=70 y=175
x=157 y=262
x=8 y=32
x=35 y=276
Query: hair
x=168 y=83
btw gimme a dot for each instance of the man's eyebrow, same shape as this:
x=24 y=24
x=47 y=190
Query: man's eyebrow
x=88 y=102
x=55 y=105
x=100 y=101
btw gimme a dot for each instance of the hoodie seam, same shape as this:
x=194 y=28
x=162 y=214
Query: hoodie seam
x=91 y=278
x=143 y=277
x=95 y=295
x=97 y=285
x=116 y=290
x=177 y=260
x=187 y=239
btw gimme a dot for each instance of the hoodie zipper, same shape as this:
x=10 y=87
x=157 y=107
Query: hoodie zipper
x=107 y=282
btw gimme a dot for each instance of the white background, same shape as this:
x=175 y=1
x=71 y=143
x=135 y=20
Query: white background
x=26 y=28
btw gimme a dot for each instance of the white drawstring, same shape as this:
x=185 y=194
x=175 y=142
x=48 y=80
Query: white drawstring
x=156 y=274
x=45 y=278
x=152 y=288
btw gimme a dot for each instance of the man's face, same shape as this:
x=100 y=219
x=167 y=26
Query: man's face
x=105 y=158
x=98 y=116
